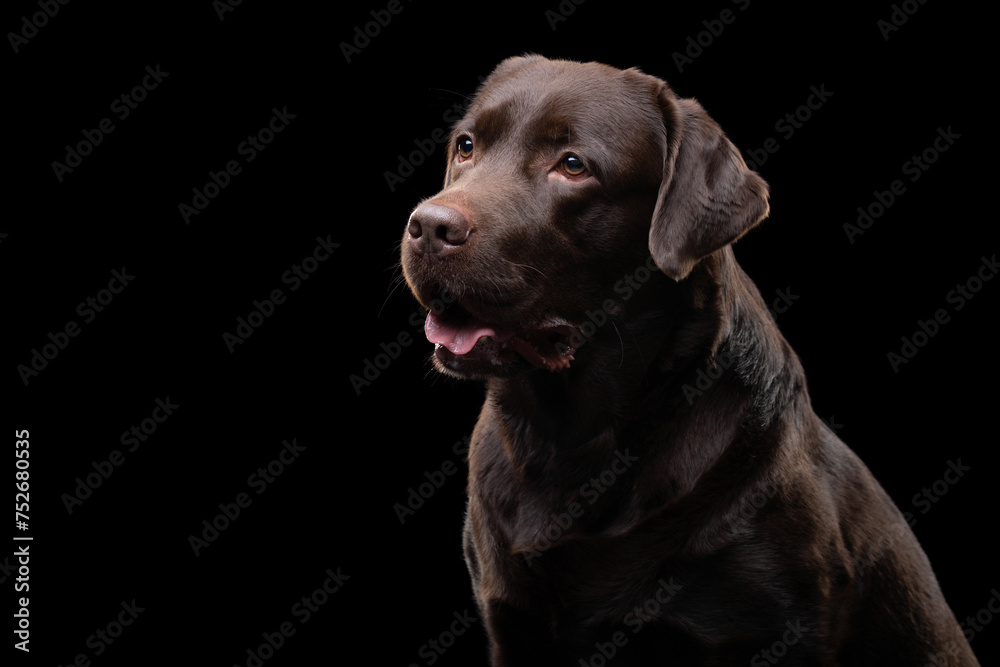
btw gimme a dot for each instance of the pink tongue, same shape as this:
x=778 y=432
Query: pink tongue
x=458 y=338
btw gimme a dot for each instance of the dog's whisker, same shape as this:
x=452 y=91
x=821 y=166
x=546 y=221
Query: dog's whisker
x=499 y=292
x=395 y=283
x=526 y=266
x=452 y=92
x=621 y=343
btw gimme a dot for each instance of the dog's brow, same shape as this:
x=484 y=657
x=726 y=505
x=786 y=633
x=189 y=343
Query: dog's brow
x=552 y=129
x=493 y=121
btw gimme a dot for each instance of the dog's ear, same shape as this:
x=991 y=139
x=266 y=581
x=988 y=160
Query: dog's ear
x=708 y=197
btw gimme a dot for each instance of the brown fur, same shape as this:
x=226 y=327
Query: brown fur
x=613 y=507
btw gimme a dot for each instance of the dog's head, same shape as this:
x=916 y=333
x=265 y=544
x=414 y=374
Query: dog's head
x=562 y=177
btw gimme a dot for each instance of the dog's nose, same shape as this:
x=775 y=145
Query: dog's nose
x=437 y=230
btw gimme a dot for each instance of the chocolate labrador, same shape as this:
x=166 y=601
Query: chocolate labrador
x=648 y=482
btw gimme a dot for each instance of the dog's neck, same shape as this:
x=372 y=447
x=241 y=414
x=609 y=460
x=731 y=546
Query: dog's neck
x=667 y=351
x=659 y=336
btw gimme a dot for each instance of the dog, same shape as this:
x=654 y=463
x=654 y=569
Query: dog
x=648 y=483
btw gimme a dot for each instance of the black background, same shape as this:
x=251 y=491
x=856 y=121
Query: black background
x=324 y=176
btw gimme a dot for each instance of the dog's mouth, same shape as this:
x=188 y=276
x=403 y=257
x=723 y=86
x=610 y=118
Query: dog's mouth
x=463 y=338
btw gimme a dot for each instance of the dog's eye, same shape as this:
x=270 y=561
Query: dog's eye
x=573 y=166
x=464 y=148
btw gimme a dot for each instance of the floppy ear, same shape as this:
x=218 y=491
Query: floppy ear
x=708 y=197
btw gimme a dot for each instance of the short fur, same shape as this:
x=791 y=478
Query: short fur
x=625 y=503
